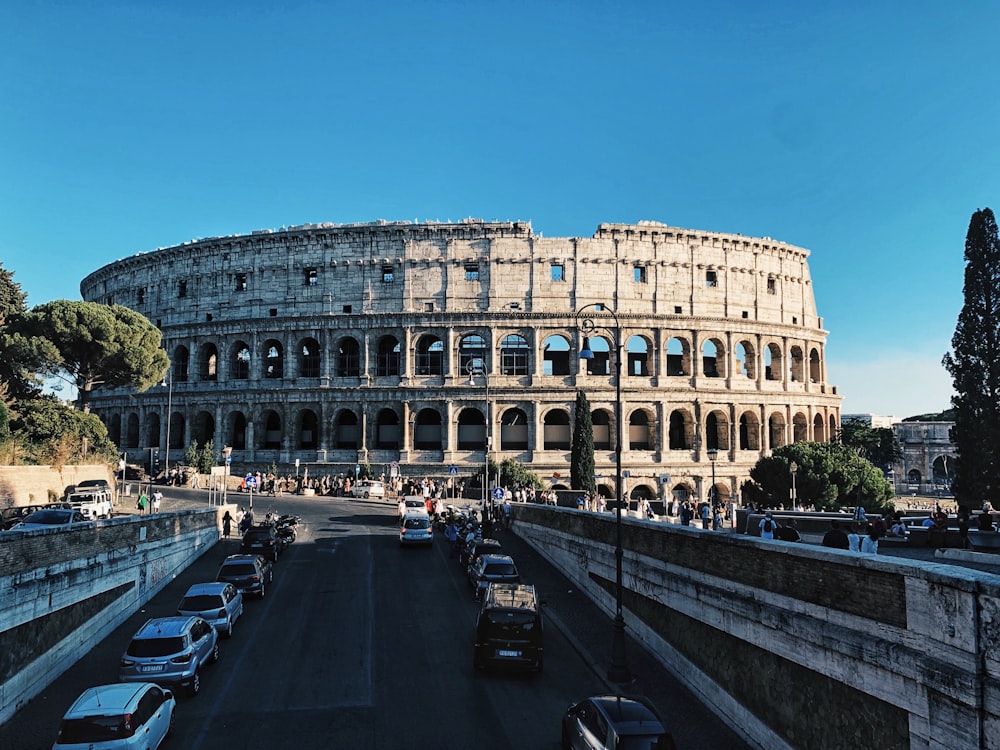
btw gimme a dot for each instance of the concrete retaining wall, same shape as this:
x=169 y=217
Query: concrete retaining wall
x=797 y=646
x=31 y=485
x=61 y=592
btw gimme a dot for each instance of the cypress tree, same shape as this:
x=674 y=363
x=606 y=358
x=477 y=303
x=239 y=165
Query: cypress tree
x=581 y=468
x=974 y=365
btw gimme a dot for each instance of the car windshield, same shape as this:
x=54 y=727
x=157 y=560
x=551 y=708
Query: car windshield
x=415 y=504
x=49 y=517
x=238 y=569
x=417 y=523
x=255 y=535
x=91 y=729
x=201 y=603
x=146 y=647
x=500 y=569
x=638 y=742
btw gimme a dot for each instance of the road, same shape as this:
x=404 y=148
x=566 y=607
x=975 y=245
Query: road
x=362 y=644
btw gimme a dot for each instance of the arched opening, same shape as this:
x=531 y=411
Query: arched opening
x=638 y=357
x=471 y=430
x=430 y=356
x=472 y=352
x=819 y=429
x=514 y=355
x=177 y=431
x=638 y=431
x=601 y=362
x=308 y=430
x=132 y=431
x=152 y=430
x=203 y=428
x=680 y=430
x=815 y=376
x=800 y=428
x=745 y=360
x=309 y=358
x=387 y=362
x=513 y=430
x=796 y=365
x=427 y=433
x=271 y=434
x=776 y=430
x=678 y=357
x=387 y=432
x=555 y=356
x=556 y=430
x=346 y=430
x=208 y=362
x=772 y=362
x=348 y=358
x=179 y=365
x=240 y=361
x=601 y=421
x=237 y=431
x=717 y=430
x=713 y=359
x=274 y=359
x=749 y=431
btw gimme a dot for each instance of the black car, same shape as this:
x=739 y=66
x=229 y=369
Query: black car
x=509 y=629
x=248 y=573
x=263 y=540
x=489 y=569
x=614 y=721
x=469 y=553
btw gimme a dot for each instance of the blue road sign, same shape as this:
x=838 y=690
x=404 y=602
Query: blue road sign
x=453 y=470
x=498 y=493
x=250 y=480
x=357 y=469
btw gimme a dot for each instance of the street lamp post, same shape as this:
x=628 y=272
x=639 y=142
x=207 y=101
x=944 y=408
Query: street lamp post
x=795 y=501
x=170 y=397
x=478 y=367
x=713 y=454
x=618 y=670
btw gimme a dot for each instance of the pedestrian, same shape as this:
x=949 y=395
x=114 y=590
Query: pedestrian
x=767 y=525
x=836 y=538
x=869 y=542
x=706 y=515
x=157 y=497
x=143 y=502
x=227 y=525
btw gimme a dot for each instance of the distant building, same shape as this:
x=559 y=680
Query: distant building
x=872 y=420
x=928 y=465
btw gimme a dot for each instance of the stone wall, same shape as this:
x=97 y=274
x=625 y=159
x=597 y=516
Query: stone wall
x=63 y=591
x=30 y=485
x=797 y=646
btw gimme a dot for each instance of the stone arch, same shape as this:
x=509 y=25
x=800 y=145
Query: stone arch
x=555 y=356
x=132 y=430
x=427 y=430
x=717 y=430
x=113 y=424
x=310 y=360
x=346 y=430
x=348 y=357
x=387 y=357
x=639 y=432
x=239 y=361
x=307 y=432
x=796 y=365
x=602 y=421
x=749 y=431
x=637 y=353
x=472 y=352
x=682 y=492
x=471 y=430
x=203 y=428
x=713 y=358
x=680 y=430
x=833 y=427
x=556 y=433
x=387 y=431
x=514 y=430
x=815 y=369
x=776 y=430
x=746 y=362
x=514 y=355
x=772 y=362
x=271 y=433
x=152 y=430
x=274 y=359
x=678 y=357
x=913 y=476
x=180 y=364
x=943 y=470
x=429 y=355
x=237 y=431
x=208 y=362
x=800 y=427
x=819 y=429
x=601 y=349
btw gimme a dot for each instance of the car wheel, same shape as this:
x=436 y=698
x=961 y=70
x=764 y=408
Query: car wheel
x=260 y=594
x=228 y=632
x=195 y=685
x=366 y=495
x=270 y=576
x=214 y=656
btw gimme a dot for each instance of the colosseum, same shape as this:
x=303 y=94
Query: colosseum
x=425 y=348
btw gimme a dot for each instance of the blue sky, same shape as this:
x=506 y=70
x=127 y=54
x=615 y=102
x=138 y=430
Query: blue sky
x=854 y=129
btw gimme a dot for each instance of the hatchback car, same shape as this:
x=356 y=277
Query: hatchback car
x=124 y=716
x=410 y=505
x=264 y=541
x=614 y=722
x=51 y=518
x=248 y=573
x=492 y=569
x=170 y=651
x=416 y=529
x=479 y=547
x=509 y=629
x=219 y=603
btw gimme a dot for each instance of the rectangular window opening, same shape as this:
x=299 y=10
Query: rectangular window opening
x=428 y=307
x=273 y=312
x=182 y=289
x=639 y=274
x=677 y=310
x=711 y=278
x=208 y=317
x=388 y=276
x=140 y=295
x=471 y=272
x=557 y=272
x=771 y=286
x=241 y=282
x=348 y=308
x=312 y=276
x=746 y=314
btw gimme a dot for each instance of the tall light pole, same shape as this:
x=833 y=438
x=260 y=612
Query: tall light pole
x=474 y=368
x=794 y=467
x=170 y=398
x=618 y=670
x=713 y=454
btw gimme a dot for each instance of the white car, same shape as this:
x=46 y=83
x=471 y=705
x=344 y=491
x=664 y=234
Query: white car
x=51 y=518
x=118 y=717
x=410 y=505
x=220 y=604
x=368 y=488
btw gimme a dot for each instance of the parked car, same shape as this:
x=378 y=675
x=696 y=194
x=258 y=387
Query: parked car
x=410 y=505
x=248 y=573
x=123 y=716
x=93 y=503
x=509 y=628
x=469 y=553
x=614 y=722
x=264 y=541
x=492 y=569
x=12 y=516
x=219 y=603
x=368 y=488
x=170 y=651
x=416 y=529
x=50 y=518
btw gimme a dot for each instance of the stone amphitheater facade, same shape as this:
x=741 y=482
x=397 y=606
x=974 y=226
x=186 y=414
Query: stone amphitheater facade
x=420 y=344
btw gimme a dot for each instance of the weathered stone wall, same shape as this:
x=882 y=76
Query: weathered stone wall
x=29 y=485
x=63 y=591
x=311 y=343
x=793 y=645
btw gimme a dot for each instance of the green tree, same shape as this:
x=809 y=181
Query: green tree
x=206 y=458
x=878 y=444
x=49 y=431
x=91 y=345
x=15 y=377
x=581 y=467
x=829 y=476
x=974 y=365
x=191 y=455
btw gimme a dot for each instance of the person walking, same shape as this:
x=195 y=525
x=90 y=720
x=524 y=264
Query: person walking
x=143 y=502
x=767 y=526
x=157 y=498
x=227 y=525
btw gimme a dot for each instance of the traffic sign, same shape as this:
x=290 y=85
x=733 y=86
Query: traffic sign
x=357 y=469
x=250 y=481
x=499 y=493
x=664 y=479
x=453 y=470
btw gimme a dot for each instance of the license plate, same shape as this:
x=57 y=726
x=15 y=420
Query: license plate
x=151 y=668
x=514 y=654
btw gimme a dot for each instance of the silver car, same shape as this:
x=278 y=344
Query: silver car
x=219 y=604
x=170 y=651
x=416 y=529
x=125 y=716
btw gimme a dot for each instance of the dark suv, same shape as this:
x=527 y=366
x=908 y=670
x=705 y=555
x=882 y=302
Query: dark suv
x=489 y=569
x=170 y=651
x=509 y=628
x=248 y=573
x=264 y=541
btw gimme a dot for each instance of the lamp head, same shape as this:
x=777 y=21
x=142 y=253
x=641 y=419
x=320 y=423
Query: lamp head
x=713 y=453
x=794 y=467
x=585 y=352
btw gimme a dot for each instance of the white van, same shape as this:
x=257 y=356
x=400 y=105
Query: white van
x=93 y=503
x=368 y=488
